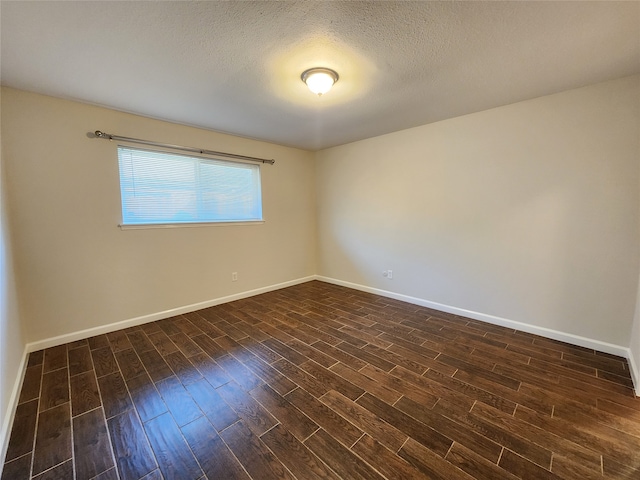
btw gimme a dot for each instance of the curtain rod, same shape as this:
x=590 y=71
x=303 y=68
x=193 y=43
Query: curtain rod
x=108 y=136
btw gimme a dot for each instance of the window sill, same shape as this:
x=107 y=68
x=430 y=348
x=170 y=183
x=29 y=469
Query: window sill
x=146 y=226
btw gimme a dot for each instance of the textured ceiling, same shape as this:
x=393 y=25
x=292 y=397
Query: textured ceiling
x=235 y=66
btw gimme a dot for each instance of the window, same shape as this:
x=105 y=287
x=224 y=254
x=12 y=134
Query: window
x=167 y=188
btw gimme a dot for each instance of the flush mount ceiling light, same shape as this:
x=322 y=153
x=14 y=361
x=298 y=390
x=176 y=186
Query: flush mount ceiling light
x=319 y=80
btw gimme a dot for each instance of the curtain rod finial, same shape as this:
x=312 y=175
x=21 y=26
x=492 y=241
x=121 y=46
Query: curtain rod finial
x=100 y=134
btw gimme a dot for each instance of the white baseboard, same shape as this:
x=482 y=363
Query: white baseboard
x=635 y=372
x=9 y=415
x=132 y=322
x=504 y=322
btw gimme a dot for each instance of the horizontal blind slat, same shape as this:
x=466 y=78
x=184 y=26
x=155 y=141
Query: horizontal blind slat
x=161 y=187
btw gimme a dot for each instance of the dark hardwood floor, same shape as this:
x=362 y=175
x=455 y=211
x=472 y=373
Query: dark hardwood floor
x=320 y=381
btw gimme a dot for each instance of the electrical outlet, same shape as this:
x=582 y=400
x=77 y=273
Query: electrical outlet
x=389 y=273
x=234 y=276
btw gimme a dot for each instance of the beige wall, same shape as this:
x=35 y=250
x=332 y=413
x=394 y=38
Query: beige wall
x=76 y=269
x=12 y=331
x=527 y=212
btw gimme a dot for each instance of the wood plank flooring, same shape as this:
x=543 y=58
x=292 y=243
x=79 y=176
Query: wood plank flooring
x=320 y=381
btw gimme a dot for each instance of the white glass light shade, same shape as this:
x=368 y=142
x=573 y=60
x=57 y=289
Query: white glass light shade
x=319 y=80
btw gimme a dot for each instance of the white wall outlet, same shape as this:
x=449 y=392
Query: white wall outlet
x=234 y=276
x=389 y=273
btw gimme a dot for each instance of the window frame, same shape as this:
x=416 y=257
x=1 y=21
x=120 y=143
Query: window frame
x=196 y=223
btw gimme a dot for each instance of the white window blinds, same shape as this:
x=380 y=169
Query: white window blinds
x=165 y=188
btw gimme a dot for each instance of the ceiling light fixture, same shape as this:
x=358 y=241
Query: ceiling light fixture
x=319 y=80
